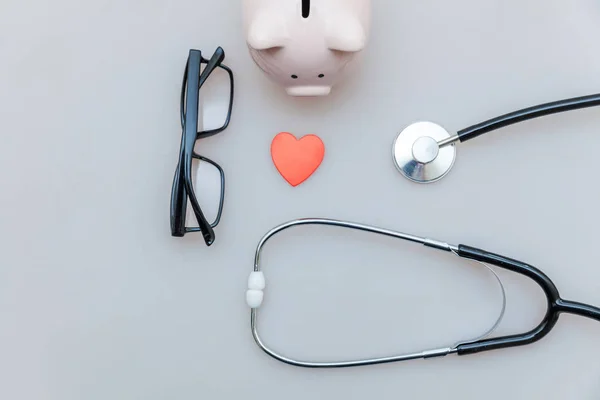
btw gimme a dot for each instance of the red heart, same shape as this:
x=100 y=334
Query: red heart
x=296 y=160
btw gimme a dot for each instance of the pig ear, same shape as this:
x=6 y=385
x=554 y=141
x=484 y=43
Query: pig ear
x=345 y=33
x=267 y=31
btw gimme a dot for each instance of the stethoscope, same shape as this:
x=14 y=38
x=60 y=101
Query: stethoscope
x=425 y=152
x=555 y=304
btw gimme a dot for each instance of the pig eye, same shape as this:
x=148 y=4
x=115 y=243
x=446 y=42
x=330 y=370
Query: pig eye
x=294 y=76
x=321 y=76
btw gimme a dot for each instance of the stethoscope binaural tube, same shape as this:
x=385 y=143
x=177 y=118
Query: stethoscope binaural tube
x=425 y=152
x=486 y=342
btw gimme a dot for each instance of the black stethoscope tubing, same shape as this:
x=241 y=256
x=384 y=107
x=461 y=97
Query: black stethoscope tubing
x=527 y=114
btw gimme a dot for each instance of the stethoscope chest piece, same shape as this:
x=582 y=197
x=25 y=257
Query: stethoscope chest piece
x=418 y=155
x=424 y=152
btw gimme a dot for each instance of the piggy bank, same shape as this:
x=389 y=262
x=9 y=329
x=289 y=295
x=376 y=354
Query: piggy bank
x=304 y=45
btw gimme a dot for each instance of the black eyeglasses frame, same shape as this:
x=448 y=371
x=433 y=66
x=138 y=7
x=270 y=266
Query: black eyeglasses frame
x=182 y=190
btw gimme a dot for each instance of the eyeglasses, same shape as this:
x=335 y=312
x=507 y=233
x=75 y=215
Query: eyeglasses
x=187 y=191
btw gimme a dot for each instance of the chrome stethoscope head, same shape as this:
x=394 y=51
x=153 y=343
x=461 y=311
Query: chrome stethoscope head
x=425 y=152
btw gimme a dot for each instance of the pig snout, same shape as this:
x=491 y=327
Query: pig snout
x=308 y=90
x=315 y=84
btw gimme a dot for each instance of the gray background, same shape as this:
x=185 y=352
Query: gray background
x=97 y=301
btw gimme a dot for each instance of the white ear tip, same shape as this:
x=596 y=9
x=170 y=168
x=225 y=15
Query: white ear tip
x=254 y=298
x=256 y=281
x=256 y=284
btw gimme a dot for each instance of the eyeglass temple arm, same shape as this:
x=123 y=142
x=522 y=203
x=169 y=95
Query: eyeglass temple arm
x=556 y=305
x=216 y=59
x=190 y=130
x=527 y=114
x=178 y=204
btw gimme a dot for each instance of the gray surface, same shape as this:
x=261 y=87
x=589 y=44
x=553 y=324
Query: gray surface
x=99 y=302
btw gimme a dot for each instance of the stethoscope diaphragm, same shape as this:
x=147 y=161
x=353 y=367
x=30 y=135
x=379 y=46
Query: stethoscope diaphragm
x=418 y=155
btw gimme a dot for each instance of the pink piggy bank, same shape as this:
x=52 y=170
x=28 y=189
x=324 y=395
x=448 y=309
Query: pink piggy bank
x=304 y=45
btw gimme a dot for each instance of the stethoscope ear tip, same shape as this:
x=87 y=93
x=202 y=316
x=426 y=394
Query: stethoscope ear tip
x=418 y=155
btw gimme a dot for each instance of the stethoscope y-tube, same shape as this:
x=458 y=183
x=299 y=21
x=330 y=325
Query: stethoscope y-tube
x=555 y=304
x=424 y=152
